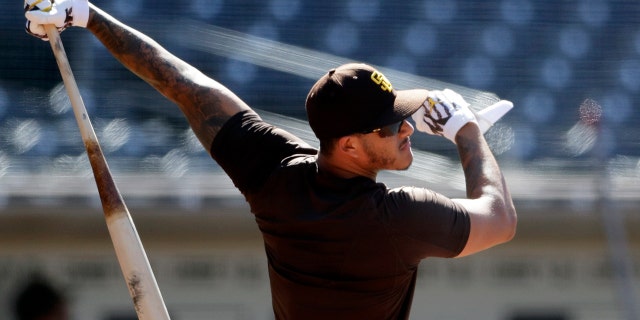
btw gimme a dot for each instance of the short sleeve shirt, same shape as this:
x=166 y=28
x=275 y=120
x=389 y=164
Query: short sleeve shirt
x=336 y=248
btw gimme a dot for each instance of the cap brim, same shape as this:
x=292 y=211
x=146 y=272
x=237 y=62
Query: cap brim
x=408 y=102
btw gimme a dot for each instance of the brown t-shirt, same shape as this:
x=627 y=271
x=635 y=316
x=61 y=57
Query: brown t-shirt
x=337 y=248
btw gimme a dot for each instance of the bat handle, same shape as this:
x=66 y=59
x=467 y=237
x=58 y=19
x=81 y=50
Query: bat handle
x=86 y=129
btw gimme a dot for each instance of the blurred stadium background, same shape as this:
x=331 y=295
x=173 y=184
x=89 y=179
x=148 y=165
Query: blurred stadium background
x=570 y=150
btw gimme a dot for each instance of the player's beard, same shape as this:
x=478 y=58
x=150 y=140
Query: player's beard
x=383 y=159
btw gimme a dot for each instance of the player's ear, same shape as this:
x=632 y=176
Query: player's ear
x=348 y=145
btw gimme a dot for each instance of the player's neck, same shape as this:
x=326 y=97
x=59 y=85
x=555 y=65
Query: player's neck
x=343 y=168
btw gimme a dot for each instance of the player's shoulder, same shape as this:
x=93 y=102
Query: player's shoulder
x=415 y=197
x=304 y=158
x=411 y=192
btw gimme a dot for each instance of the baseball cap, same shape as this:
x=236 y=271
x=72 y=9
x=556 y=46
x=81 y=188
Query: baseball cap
x=354 y=98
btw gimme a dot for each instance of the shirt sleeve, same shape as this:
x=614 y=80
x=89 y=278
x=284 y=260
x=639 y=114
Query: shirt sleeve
x=249 y=149
x=426 y=223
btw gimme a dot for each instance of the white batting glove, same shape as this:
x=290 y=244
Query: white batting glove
x=61 y=13
x=443 y=113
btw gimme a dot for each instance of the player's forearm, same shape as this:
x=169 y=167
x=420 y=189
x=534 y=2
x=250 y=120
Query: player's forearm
x=483 y=176
x=206 y=104
x=136 y=51
x=481 y=171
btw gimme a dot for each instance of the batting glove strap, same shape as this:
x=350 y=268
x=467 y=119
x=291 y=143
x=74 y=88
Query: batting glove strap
x=443 y=113
x=61 y=13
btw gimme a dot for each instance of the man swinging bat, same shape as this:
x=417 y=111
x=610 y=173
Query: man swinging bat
x=340 y=245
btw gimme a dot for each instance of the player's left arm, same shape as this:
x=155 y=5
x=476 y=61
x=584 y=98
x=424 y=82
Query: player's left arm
x=206 y=103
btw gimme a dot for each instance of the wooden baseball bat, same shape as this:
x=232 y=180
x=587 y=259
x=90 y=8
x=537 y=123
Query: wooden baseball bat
x=130 y=253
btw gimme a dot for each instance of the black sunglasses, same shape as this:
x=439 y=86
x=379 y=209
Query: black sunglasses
x=388 y=130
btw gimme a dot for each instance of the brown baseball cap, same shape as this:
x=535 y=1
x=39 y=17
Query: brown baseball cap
x=355 y=98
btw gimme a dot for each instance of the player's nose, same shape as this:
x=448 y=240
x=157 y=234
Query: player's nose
x=406 y=128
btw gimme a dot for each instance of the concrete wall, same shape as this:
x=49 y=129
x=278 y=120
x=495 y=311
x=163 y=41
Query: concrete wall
x=211 y=265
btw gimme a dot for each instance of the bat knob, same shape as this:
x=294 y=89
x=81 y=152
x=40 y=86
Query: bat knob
x=491 y=114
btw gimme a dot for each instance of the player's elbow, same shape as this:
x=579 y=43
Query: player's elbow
x=509 y=221
x=493 y=222
x=510 y=232
x=504 y=216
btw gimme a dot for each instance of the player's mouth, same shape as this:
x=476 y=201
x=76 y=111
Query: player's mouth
x=406 y=144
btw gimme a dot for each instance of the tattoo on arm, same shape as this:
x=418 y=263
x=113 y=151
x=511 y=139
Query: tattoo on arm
x=206 y=104
x=481 y=170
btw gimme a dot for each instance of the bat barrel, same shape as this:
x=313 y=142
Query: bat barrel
x=135 y=266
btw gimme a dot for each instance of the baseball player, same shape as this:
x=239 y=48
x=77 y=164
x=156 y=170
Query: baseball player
x=340 y=245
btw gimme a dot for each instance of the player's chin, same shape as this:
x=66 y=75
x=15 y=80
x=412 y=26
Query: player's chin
x=405 y=161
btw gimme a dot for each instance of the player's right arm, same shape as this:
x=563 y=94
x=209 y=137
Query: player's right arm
x=206 y=103
x=491 y=211
x=492 y=214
